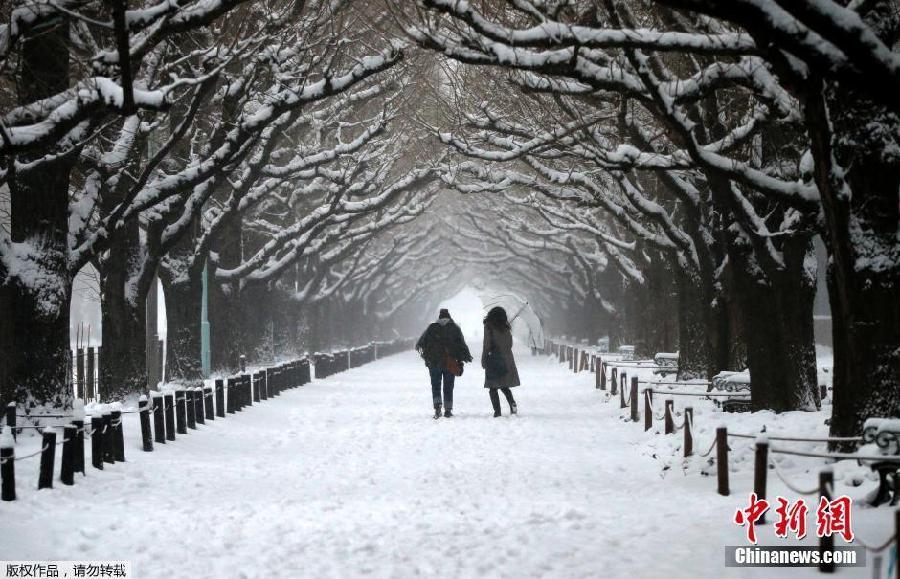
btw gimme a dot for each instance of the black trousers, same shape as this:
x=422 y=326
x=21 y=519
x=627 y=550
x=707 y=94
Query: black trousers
x=495 y=398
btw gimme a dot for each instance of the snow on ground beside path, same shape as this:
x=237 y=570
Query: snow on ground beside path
x=351 y=476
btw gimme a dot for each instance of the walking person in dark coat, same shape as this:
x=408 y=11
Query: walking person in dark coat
x=497 y=359
x=443 y=347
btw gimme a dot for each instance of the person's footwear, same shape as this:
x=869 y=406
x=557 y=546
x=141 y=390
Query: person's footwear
x=437 y=411
x=513 y=409
x=448 y=413
x=497 y=414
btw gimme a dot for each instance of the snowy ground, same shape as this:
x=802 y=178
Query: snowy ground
x=351 y=476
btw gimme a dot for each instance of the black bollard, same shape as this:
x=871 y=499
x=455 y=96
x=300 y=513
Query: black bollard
x=190 y=409
x=760 y=471
x=97 y=442
x=688 y=431
x=208 y=402
x=826 y=542
x=11 y=419
x=48 y=456
x=159 y=417
x=79 y=443
x=109 y=452
x=198 y=405
x=231 y=395
x=648 y=409
x=146 y=436
x=180 y=413
x=263 y=385
x=722 y=460
x=257 y=386
x=67 y=465
x=247 y=387
x=118 y=432
x=7 y=465
x=633 y=397
x=170 y=416
x=220 y=398
x=669 y=416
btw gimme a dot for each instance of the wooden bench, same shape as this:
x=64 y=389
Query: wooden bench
x=667 y=362
x=735 y=382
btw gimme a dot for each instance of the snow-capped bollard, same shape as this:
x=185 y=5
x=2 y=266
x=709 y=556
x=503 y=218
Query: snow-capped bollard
x=97 y=441
x=146 y=436
x=118 y=436
x=648 y=409
x=243 y=360
x=159 y=417
x=180 y=413
x=722 y=460
x=622 y=391
x=208 y=403
x=633 y=396
x=614 y=381
x=189 y=409
x=11 y=419
x=170 y=415
x=688 y=431
x=593 y=362
x=562 y=354
x=257 y=386
x=231 y=394
x=78 y=421
x=826 y=541
x=220 y=398
x=623 y=381
x=106 y=437
x=601 y=374
x=670 y=418
x=198 y=405
x=7 y=464
x=571 y=358
x=67 y=466
x=760 y=470
x=48 y=457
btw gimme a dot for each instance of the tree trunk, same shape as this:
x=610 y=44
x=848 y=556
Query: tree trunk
x=864 y=254
x=123 y=370
x=40 y=283
x=696 y=357
x=183 y=333
x=7 y=340
x=778 y=320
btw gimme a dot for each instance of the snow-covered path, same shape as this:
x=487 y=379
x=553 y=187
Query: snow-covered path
x=351 y=476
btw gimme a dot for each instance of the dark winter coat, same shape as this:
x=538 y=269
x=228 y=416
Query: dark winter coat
x=440 y=340
x=500 y=340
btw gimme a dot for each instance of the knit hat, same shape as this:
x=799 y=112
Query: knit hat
x=445 y=313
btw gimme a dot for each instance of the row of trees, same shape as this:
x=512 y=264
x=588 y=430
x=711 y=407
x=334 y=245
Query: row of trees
x=259 y=145
x=702 y=145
